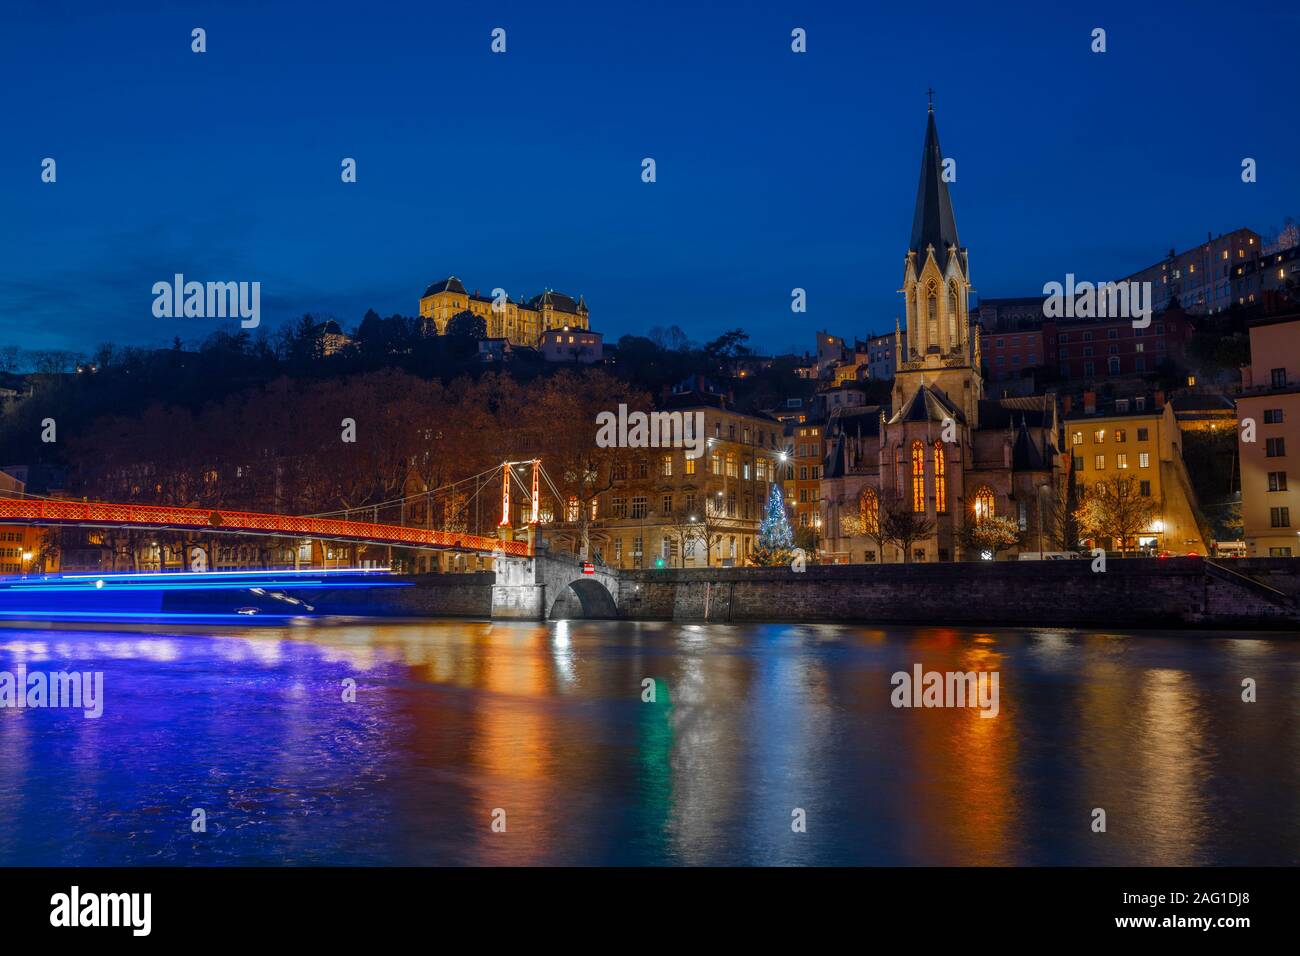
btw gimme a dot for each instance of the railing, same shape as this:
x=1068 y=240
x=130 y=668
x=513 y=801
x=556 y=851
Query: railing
x=46 y=511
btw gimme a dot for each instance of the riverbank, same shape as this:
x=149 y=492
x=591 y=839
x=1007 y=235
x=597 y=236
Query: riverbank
x=1146 y=593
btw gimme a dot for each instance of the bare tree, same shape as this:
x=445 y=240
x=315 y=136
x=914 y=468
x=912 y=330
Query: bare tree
x=1115 y=508
x=901 y=525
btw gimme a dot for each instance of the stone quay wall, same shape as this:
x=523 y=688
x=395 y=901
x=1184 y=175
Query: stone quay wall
x=1148 y=593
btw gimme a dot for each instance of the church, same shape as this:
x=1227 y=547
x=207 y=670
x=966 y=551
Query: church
x=942 y=449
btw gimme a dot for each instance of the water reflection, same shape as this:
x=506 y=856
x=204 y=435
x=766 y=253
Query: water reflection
x=544 y=728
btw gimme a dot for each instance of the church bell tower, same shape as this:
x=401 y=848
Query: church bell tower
x=940 y=350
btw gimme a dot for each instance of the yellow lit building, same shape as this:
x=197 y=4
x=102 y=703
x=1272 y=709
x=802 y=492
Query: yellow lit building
x=803 y=473
x=522 y=323
x=667 y=510
x=1269 y=408
x=1135 y=436
x=23 y=548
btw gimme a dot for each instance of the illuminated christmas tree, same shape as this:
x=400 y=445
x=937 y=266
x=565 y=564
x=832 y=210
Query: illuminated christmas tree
x=775 y=536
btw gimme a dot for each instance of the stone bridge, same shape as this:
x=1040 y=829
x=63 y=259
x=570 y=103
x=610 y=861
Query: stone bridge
x=551 y=585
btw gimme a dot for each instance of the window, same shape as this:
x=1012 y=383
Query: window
x=1279 y=517
x=918 y=476
x=940 y=482
x=984 y=504
x=1099 y=436
x=1275 y=448
x=1144 y=459
x=642 y=469
x=1278 y=376
x=690 y=465
x=1121 y=461
x=1144 y=489
x=666 y=466
x=731 y=465
x=1076 y=438
x=1077 y=463
x=869 y=511
x=717 y=464
x=618 y=507
x=1120 y=435
x=1272 y=416
x=667 y=504
x=639 y=509
x=1142 y=434
x=932 y=316
x=1112 y=365
x=1277 y=481
x=572 y=509
x=690 y=501
x=952 y=313
x=1099 y=462
x=618 y=550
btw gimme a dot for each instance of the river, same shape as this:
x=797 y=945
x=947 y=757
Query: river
x=490 y=743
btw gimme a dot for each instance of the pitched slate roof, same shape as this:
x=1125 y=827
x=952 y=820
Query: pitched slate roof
x=855 y=421
x=556 y=300
x=928 y=404
x=1038 y=411
x=1025 y=455
x=449 y=284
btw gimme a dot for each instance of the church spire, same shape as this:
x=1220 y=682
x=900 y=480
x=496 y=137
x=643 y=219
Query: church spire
x=933 y=223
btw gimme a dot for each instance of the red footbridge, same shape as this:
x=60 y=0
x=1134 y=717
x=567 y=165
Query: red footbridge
x=102 y=514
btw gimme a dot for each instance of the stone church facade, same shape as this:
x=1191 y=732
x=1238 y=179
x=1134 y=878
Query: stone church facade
x=942 y=448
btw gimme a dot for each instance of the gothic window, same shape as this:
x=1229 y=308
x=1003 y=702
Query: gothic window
x=918 y=476
x=952 y=315
x=869 y=511
x=983 y=504
x=940 y=479
x=932 y=315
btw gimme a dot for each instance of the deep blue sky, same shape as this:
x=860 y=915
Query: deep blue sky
x=522 y=170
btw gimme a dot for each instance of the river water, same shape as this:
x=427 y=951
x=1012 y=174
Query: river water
x=478 y=743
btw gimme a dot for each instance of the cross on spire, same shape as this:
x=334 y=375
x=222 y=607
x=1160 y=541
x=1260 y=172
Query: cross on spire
x=930 y=93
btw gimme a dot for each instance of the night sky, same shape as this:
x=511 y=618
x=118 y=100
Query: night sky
x=523 y=170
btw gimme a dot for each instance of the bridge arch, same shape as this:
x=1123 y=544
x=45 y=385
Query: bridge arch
x=583 y=598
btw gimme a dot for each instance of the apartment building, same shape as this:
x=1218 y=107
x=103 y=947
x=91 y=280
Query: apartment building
x=1269 y=439
x=1138 y=436
x=668 y=510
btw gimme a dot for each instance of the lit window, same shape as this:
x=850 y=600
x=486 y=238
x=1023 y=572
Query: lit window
x=918 y=476
x=869 y=511
x=940 y=488
x=984 y=504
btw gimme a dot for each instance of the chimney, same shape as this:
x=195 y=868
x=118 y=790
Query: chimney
x=1090 y=403
x=1160 y=399
x=1066 y=403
